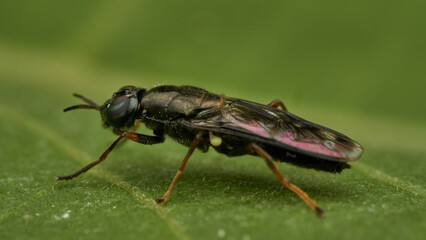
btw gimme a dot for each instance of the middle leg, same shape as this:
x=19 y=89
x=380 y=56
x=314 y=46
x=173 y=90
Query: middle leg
x=197 y=140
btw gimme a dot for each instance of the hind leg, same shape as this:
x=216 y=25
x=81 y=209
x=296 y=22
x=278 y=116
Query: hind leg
x=277 y=103
x=269 y=161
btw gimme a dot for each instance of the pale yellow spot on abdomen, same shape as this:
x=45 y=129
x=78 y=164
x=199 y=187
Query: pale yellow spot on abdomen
x=215 y=141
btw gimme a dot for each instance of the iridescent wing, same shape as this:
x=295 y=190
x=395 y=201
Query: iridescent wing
x=284 y=129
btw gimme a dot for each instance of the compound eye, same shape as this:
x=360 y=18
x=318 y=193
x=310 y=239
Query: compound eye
x=117 y=111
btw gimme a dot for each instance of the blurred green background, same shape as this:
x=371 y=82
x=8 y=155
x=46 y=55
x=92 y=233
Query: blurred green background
x=357 y=67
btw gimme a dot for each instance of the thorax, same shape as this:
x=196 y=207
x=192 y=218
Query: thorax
x=172 y=102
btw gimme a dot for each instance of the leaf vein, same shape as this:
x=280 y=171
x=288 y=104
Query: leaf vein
x=83 y=158
x=394 y=181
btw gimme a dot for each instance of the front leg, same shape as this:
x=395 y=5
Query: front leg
x=144 y=139
x=140 y=138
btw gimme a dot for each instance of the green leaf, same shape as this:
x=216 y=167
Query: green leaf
x=289 y=51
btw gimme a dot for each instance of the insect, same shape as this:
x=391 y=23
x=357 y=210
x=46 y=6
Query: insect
x=199 y=119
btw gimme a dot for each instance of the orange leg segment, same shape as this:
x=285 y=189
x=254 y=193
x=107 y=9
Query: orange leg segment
x=140 y=138
x=197 y=140
x=277 y=103
x=269 y=161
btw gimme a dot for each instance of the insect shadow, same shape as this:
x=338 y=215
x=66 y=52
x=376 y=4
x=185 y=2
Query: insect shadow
x=210 y=180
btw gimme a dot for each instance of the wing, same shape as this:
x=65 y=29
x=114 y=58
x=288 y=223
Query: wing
x=281 y=128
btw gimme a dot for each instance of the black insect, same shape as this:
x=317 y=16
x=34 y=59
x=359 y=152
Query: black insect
x=199 y=119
